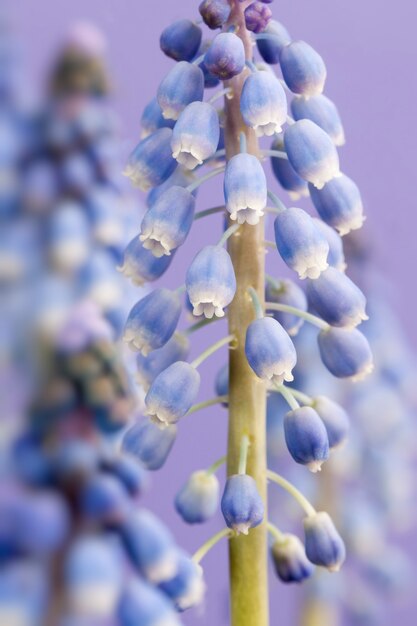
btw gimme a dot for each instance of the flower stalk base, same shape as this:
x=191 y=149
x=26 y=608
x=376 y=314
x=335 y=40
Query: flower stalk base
x=247 y=395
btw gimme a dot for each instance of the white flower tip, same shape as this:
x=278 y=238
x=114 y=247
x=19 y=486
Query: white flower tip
x=368 y=369
x=315 y=466
x=241 y=529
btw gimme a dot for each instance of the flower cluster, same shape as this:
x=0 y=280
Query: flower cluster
x=75 y=545
x=183 y=133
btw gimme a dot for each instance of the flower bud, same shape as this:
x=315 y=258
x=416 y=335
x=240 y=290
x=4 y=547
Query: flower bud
x=215 y=13
x=269 y=351
x=334 y=418
x=242 y=505
x=290 y=561
x=287 y=292
x=226 y=56
x=181 y=40
x=311 y=153
x=172 y=393
x=211 y=282
x=197 y=501
x=257 y=17
x=150 y=546
x=337 y=299
x=196 y=134
x=104 y=499
x=324 y=546
x=323 y=112
x=181 y=86
x=187 y=588
x=270 y=49
x=152 y=119
x=245 y=189
x=140 y=265
x=300 y=243
x=129 y=471
x=148 y=367
x=152 y=321
x=339 y=204
x=151 y=162
x=143 y=605
x=286 y=174
x=167 y=223
x=263 y=103
x=93 y=577
x=306 y=438
x=336 y=256
x=303 y=69
x=149 y=443
x=346 y=353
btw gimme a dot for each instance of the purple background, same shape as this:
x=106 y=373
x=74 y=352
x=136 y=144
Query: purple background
x=370 y=49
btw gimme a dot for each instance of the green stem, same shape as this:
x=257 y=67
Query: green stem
x=209 y=544
x=200 y=324
x=199 y=181
x=275 y=532
x=308 y=317
x=256 y=303
x=293 y=491
x=277 y=202
x=216 y=465
x=228 y=233
x=211 y=350
x=248 y=555
x=219 y=94
x=243 y=457
x=203 y=405
x=206 y=212
x=302 y=397
x=288 y=396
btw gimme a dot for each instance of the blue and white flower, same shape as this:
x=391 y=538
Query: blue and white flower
x=346 y=353
x=150 y=546
x=270 y=351
x=152 y=119
x=196 y=134
x=149 y=443
x=152 y=321
x=241 y=504
x=263 y=103
x=300 y=243
x=324 y=546
x=181 y=86
x=303 y=69
x=140 y=265
x=245 y=189
x=290 y=561
x=337 y=299
x=187 y=588
x=151 y=162
x=311 y=153
x=172 y=393
x=306 y=438
x=211 y=281
x=181 y=40
x=336 y=256
x=215 y=13
x=167 y=223
x=198 y=499
x=339 y=204
x=226 y=56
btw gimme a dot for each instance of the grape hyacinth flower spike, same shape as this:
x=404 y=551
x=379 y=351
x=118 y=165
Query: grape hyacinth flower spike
x=227 y=279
